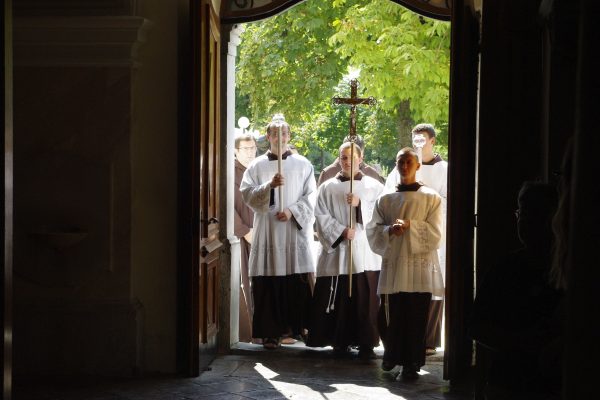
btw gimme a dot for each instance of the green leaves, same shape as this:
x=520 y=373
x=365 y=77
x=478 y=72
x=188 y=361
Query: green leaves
x=294 y=63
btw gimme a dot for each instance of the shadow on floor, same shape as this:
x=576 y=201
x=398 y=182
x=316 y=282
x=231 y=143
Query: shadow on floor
x=251 y=372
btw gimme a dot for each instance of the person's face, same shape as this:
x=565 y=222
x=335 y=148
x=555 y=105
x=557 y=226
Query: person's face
x=245 y=152
x=407 y=165
x=272 y=137
x=345 y=159
x=534 y=226
x=429 y=142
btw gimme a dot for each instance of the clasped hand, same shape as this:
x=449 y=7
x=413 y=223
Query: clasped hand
x=284 y=215
x=399 y=227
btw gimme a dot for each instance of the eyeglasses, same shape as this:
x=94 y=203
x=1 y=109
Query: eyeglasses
x=246 y=148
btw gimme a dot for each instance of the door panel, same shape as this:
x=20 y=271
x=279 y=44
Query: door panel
x=461 y=192
x=210 y=246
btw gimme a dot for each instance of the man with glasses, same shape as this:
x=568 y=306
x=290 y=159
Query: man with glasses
x=518 y=314
x=245 y=152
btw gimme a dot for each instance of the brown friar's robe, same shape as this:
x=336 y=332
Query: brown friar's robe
x=242 y=225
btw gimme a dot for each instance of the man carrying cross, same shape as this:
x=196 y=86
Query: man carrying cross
x=336 y=318
x=344 y=319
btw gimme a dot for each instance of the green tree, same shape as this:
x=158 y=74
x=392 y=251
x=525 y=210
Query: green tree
x=401 y=55
x=286 y=63
x=297 y=61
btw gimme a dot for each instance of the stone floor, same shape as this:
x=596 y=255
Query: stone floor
x=250 y=372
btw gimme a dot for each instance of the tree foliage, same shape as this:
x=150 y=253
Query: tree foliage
x=401 y=56
x=297 y=61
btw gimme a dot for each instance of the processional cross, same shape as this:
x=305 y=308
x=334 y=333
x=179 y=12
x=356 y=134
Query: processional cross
x=352 y=101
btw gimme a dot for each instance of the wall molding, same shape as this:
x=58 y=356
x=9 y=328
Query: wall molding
x=90 y=41
x=75 y=7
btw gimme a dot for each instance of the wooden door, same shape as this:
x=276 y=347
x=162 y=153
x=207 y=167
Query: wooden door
x=199 y=245
x=209 y=246
x=461 y=192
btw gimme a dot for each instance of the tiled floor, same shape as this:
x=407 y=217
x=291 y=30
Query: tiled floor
x=291 y=372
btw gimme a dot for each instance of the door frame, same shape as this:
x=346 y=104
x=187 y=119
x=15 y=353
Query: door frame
x=462 y=138
x=6 y=299
x=461 y=193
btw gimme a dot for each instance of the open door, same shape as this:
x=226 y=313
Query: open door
x=462 y=135
x=210 y=246
x=200 y=248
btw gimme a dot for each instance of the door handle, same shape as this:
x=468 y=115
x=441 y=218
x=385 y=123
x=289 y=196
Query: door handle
x=211 y=220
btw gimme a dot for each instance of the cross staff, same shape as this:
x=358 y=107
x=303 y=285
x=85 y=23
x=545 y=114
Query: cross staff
x=279 y=120
x=353 y=101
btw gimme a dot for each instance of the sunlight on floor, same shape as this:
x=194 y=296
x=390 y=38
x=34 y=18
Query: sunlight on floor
x=265 y=372
x=330 y=390
x=287 y=389
x=291 y=390
x=374 y=392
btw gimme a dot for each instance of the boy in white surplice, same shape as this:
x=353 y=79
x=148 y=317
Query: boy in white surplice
x=406 y=230
x=434 y=174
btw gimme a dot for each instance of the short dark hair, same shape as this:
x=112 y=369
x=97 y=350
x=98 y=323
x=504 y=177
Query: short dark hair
x=243 y=138
x=424 y=128
x=358 y=140
x=275 y=125
x=348 y=144
x=408 y=150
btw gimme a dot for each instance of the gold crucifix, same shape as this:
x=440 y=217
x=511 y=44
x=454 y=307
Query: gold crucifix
x=353 y=101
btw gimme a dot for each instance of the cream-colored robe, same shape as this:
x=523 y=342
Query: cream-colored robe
x=410 y=261
x=436 y=177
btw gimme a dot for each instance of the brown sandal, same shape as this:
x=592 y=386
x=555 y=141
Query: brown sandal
x=270 y=343
x=288 y=340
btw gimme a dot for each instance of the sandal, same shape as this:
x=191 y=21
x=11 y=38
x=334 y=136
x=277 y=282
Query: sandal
x=288 y=340
x=430 y=351
x=270 y=343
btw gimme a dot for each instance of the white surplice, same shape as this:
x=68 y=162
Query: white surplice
x=280 y=248
x=332 y=214
x=410 y=261
x=436 y=177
